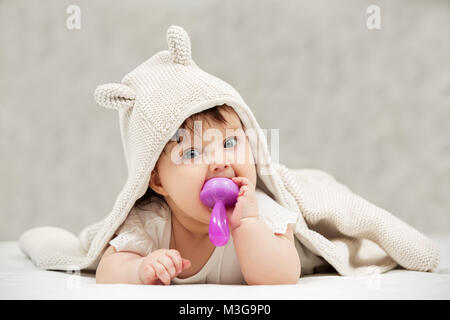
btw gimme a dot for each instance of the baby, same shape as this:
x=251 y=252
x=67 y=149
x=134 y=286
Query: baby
x=181 y=126
x=165 y=238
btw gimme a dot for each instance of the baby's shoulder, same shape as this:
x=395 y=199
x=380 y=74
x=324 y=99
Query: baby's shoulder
x=154 y=210
x=144 y=228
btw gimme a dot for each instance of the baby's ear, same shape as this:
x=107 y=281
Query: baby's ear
x=155 y=184
x=114 y=96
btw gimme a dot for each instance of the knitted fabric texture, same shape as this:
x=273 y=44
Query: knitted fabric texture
x=152 y=101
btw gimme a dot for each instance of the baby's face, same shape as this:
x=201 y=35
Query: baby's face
x=216 y=150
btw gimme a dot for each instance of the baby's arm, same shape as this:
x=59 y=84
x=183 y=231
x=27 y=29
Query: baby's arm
x=264 y=257
x=158 y=267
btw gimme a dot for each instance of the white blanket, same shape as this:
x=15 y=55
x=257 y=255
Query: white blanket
x=20 y=279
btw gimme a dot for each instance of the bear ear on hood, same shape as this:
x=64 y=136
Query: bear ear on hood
x=179 y=45
x=114 y=96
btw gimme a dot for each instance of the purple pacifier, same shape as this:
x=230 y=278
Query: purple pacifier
x=218 y=193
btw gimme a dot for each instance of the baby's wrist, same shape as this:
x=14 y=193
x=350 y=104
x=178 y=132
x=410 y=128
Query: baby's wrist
x=245 y=220
x=139 y=267
x=249 y=218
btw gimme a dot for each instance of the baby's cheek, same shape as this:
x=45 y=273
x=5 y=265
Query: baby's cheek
x=203 y=211
x=194 y=208
x=248 y=171
x=190 y=184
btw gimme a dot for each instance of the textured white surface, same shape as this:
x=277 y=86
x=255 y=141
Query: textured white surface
x=20 y=279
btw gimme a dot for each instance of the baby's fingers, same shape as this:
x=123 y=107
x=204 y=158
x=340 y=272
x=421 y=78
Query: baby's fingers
x=241 y=181
x=149 y=275
x=167 y=262
x=243 y=191
x=162 y=273
x=176 y=259
x=186 y=263
x=244 y=184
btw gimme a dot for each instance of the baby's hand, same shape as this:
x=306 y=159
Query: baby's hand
x=161 y=266
x=246 y=205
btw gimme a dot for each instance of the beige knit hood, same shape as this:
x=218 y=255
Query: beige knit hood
x=152 y=102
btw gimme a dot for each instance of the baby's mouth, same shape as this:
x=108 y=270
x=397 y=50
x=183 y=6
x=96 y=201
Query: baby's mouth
x=229 y=177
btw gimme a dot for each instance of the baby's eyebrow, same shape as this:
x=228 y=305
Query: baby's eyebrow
x=176 y=139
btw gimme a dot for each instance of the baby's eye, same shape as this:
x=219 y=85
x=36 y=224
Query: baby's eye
x=192 y=153
x=231 y=144
x=189 y=154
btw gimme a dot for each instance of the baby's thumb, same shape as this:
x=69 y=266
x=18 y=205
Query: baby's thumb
x=186 y=263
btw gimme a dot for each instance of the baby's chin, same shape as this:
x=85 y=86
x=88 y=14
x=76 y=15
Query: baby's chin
x=202 y=217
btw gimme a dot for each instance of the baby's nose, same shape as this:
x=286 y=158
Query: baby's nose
x=217 y=160
x=219 y=167
x=220 y=170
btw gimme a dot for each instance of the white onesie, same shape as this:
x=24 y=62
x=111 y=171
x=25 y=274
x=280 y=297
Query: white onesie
x=149 y=228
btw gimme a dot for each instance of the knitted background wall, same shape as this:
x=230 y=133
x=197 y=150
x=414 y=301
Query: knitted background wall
x=372 y=108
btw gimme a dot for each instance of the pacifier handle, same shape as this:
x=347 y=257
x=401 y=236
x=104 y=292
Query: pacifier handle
x=218 y=193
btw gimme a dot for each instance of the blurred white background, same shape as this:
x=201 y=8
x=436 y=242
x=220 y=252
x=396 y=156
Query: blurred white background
x=370 y=107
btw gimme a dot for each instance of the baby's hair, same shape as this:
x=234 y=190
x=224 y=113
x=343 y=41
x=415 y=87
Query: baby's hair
x=209 y=115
